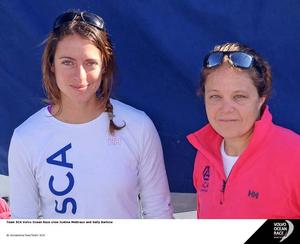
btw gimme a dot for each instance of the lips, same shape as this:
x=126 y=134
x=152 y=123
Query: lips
x=79 y=87
x=228 y=120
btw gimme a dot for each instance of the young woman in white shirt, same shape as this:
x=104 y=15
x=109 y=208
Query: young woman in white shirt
x=85 y=155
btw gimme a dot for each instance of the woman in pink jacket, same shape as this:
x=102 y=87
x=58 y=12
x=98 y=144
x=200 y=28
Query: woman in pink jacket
x=246 y=166
x=4 y=209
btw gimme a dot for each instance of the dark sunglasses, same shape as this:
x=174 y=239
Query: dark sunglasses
x=237 y=59
x=87 y=17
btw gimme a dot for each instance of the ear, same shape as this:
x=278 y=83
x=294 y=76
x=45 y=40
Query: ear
x=52 y=68
x=261 y=102
x=103 y=69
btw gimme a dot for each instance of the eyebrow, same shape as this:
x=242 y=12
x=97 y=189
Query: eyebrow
x=213 y=90
x=241 y=91
x=93 y=59
x=66 y=57
x=89 y=59
x=237 y=91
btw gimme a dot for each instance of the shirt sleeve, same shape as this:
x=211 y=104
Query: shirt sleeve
x=24 y=196
x=153 y=183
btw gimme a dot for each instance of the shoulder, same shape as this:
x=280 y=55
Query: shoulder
x=128 y=114
x=286 y=135
x=136 y=121
x=33 y=123
x=287 y=141
x=121 y=108
x=286 y=154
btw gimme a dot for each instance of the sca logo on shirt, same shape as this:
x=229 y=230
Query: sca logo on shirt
x=62 y=163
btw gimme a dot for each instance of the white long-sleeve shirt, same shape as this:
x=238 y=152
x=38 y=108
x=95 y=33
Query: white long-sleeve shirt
x=62 y=170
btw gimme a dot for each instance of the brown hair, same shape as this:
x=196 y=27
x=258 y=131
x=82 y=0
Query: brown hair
x=101 y=40
x=260 y=73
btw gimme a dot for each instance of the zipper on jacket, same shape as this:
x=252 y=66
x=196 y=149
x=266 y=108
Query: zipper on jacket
x=224 y=187
x=223 y=191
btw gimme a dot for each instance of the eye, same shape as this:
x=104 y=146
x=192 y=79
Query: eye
x=240 y=97
x=214 y=97
x=67 y=62
x=92 y=63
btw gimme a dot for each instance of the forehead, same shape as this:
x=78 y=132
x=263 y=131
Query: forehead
x=226 y=77
x=75 y=44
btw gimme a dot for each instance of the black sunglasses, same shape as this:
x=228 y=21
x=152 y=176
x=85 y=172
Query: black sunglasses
x=237 y=59
x=87 y=17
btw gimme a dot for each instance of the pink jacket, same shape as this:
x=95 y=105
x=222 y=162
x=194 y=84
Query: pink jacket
x=4 y=210
x=263 y=183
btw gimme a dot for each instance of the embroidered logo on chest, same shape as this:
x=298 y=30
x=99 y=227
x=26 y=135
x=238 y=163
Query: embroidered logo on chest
x=205 y=178
x=113 y=141
x=253 y=194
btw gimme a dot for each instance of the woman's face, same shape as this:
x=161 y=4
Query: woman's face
x=232 y=102
x=78 y=69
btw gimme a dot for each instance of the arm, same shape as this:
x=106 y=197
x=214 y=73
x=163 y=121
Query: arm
x=24 y=196
x=4 y=209
x=153 y=183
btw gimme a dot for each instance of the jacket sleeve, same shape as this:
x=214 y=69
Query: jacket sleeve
x=4 y=209
x=152 y=178
x=24 y=196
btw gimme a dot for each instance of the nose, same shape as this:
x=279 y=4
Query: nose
x=80 y=73
x=227 y=106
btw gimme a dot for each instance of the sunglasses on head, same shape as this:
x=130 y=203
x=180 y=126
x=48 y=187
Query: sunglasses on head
x=236 y=58
x=87 y=17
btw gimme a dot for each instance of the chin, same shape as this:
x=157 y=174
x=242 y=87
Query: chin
x=82 y=99
x=231 y=136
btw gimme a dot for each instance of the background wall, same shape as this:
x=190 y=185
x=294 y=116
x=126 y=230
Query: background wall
x=159 y=47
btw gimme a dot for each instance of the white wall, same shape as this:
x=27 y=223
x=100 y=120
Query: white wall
x=4 y=186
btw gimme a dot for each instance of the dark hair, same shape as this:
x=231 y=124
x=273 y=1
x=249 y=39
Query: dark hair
x=97 y=37
x=260 y=73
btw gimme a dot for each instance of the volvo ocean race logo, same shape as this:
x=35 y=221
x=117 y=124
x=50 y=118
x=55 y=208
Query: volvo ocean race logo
x=205 y=179
x=283 y=230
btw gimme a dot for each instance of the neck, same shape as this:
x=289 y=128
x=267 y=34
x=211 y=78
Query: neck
x=78 y=113
x=236 y=146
